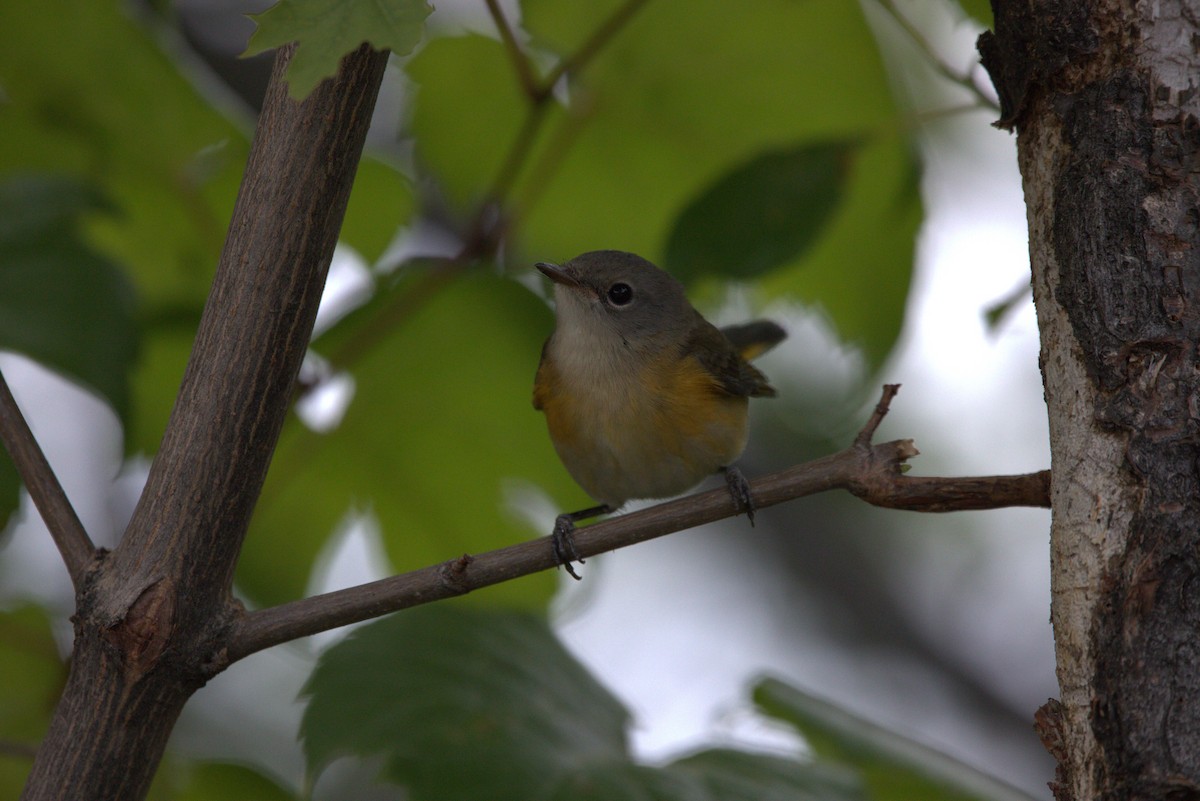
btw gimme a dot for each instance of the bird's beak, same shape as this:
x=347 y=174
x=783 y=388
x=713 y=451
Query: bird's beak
x=559 y=275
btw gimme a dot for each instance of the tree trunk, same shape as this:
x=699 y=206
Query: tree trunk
x=1103 y=97
x=152 y=618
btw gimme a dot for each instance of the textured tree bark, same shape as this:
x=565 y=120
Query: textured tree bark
x=152 y=614
x=1103 y=97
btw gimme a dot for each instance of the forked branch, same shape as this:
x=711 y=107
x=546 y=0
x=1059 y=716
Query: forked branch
x=48 y=496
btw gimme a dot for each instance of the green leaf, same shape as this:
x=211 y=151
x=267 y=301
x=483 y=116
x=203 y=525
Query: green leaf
x=184 y=780
x=760 y=215
x=995 y=313
x=893 y=766
x=859 y=273
x=380 y=202
x=683 y=93
x=459 y=703
x=142 y=136
x=716 y=775
x=140 y=132
x=62 y=303
x=33 y=675
x=327 y=31
x=729 y=775
x=978 y=10
x=440 y=428
x=465 y=141
x=137 y=130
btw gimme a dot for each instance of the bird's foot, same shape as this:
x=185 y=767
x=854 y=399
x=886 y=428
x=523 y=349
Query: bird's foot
x=563 y=541
x=739 y=490
x=563 y=538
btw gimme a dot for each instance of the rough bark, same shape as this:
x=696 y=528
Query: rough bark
x=1103 y=97
x=150 y=615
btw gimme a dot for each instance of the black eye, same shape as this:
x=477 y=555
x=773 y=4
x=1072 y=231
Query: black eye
x=620 y=294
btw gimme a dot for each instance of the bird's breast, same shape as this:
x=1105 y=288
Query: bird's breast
x=638 y=427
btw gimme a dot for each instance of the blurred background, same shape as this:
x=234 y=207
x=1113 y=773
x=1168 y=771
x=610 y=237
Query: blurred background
x=933 y=625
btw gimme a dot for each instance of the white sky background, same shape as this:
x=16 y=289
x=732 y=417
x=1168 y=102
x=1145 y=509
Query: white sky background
x=971 y=399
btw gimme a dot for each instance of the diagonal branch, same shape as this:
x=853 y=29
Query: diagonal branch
x=48 y=496
x=529 y=83
x=599 y=39
x=871 y=472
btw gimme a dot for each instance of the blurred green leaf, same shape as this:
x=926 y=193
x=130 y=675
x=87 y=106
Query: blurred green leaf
x=978 y=10
x=460 y=703
x=136 y=129
x=729 y=775
x=465 y=140
x=61 y=303
x=682 y=94
x=859 y=272
x=760 y=215
x=139 y=133
x=185 y=780
x=716 y=775
x=327 y=31
x=441 y=428
x=995 y=313
x=380 y=203
x=169 y=162
x=33 y=675
x=893 y=766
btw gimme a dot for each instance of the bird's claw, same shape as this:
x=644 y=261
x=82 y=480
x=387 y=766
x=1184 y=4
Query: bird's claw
x=739 y=489
x=563 y=541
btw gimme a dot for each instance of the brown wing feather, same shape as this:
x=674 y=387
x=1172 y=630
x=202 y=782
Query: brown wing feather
x=721 y=359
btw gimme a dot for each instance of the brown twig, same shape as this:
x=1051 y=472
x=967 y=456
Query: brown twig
x=938 y=63
x=871 y=472
x=520 y=60
x=48 y=496
x=865 y=436
x=17 y=750
x=594 y=43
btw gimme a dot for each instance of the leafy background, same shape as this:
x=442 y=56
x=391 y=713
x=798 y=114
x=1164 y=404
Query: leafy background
x=686 y=138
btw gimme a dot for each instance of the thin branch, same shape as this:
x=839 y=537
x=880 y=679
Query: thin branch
x=594 y=44
x=540 y=95
x=17 y=750
x=48 y=496
x=872 y=473
x=938 y=63
x=863 y=440
x=520 y=60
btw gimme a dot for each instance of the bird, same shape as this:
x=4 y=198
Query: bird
x=643 y=397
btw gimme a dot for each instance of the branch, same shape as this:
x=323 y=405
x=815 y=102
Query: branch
x=17 y=750
x=192 y=516
x=871 y=472
x=529 y=84
x=938 y=63
x=600 y=37
x=48 y=496
x=144 y=627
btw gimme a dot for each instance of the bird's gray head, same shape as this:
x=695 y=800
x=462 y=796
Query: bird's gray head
x=607 y=296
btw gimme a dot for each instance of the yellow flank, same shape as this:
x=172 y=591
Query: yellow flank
x=754 y=350
x=650 y=435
